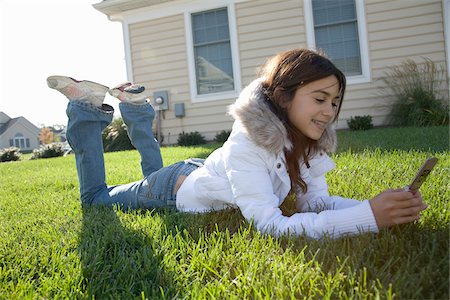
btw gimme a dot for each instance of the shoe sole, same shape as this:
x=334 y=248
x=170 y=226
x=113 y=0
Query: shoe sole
x=132 y=95
x=75 y=90
x=52 y=82
x=135 y=89
x=95 y=86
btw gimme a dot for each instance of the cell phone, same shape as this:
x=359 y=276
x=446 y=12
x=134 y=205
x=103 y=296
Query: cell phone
x=422 y=174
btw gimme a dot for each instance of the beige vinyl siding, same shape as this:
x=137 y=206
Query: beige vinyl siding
x=265 y=28
x=396 y=30
x=159 y=60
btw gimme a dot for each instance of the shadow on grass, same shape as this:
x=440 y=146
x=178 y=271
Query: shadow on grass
x=199 y=224
x=119 y=262
x=122 y=262
x=411 y=259
x=418 y=252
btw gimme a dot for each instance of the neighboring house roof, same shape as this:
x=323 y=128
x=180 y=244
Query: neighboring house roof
x=12 y=121
x=8 y=125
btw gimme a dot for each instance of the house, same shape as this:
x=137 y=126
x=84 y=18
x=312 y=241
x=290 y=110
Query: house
x=201 y=53
x=18 y=132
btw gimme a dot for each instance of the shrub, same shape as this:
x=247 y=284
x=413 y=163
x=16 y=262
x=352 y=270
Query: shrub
x=49 y=150
x=360 y=123
x=222 y=136
x=10 y=154
x=190 y=139
x=416 y=90
x=115 y=137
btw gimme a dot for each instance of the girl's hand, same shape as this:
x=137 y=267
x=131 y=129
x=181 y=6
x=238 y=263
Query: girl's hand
x=394 y=207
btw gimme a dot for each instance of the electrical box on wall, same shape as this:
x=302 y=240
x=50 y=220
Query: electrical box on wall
x=179 y=110
x=161 y=100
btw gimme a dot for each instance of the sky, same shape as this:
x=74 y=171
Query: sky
x=39 y=38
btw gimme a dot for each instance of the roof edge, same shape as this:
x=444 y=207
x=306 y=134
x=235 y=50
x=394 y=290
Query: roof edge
x=107 y=7
x=114 y=7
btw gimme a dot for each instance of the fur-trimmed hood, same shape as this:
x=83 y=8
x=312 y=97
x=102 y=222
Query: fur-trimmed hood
x=264 y=128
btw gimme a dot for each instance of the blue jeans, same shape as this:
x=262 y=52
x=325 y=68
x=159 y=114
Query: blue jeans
x=84 y=134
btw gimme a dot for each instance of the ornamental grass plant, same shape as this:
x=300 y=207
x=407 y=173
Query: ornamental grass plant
x=115 y=137
x=51 y=247
x=418 y=93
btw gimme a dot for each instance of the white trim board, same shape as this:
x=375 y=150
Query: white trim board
x=127 y=50
x=169 y=9
x=446 y=15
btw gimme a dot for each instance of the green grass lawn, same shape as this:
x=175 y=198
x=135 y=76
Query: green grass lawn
x=51 y=247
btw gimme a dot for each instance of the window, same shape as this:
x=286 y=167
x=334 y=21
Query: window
x=212 y=54
x=212 y=51
x=337 y=27
x=336 y=32
x=19 y=141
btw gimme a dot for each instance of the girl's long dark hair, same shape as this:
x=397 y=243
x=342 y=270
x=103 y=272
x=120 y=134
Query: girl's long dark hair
x=282 y=76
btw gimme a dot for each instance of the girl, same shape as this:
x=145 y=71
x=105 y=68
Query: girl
x=277 y=149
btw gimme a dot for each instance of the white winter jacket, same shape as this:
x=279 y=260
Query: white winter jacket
x=249 y=172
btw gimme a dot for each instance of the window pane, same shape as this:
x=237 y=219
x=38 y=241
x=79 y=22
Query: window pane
x=197 y=21
x=210 y=18
x=214 y=68
x=199 y=36
x=331 y=11
x=212 y=51
x=210 y=26
x=223 y=32
x=222 y=17
x=211 y=34
x=336 y=32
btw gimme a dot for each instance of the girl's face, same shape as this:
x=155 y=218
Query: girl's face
x=314 y=106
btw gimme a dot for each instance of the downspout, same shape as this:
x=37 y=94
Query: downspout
x=128 y=61
x=126 y=43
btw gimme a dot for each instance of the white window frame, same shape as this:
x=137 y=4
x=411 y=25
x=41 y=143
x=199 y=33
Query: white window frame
x=18 y=138
x=362 y=34
x=195 y=96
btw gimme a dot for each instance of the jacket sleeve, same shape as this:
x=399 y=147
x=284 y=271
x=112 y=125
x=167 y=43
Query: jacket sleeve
x=317 y=197
x=253 y=192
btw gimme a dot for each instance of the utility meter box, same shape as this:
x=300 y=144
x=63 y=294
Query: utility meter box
x=161 y=100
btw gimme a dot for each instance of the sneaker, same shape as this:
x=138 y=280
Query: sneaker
x=128 y=92
x=77 y=90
